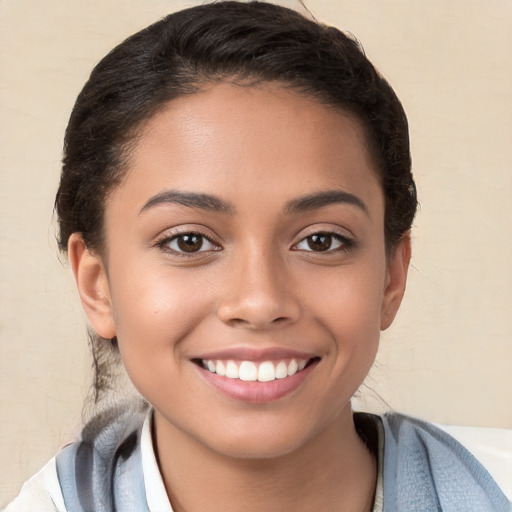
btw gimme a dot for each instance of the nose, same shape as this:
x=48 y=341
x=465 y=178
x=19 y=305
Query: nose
x=258 y=293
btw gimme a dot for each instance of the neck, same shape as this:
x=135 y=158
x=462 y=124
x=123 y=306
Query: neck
x=332 y=471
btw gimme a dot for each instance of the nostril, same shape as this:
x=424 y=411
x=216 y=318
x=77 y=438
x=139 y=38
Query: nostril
x=241 y=322
x=238 y=322
x=258 y=312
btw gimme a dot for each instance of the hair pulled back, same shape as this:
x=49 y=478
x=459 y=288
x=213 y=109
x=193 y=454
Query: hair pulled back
x=246 y=43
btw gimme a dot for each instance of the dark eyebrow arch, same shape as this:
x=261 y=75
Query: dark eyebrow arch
x=191 y=199
x=323 y=199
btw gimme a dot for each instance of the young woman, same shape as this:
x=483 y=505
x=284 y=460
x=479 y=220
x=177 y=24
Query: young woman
x=235 y=202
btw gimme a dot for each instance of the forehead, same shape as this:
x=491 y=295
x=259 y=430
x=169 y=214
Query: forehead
x=248 y=141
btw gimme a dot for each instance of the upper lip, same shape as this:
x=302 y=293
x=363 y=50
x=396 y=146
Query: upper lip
x=256 y=355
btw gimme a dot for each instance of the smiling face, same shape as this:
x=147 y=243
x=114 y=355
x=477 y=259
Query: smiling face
x=245 y=273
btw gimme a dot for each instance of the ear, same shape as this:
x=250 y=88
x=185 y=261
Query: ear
x=93 y=287
x=396 y=279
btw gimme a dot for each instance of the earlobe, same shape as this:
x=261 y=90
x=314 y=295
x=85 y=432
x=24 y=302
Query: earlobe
x=93 y=287
x=396 y=280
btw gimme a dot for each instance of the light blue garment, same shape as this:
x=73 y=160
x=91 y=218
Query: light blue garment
x=103 y=471
x=424 y=469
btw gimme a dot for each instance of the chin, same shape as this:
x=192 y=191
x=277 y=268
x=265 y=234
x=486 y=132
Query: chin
x=263 y=438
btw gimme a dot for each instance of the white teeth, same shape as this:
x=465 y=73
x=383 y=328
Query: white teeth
x=292 y=368
x=281 y=370
x=232 y=370
x=248 y=371
x=220 y=369
x=267 y=371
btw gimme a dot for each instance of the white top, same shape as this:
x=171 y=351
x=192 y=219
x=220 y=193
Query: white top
x=42 y=493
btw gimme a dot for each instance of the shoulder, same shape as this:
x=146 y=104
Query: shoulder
x=102 y=468
x=103 y=471
x=42 y=492
x=423 y=464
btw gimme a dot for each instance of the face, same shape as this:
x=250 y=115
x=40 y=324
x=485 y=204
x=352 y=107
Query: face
x=245 y=273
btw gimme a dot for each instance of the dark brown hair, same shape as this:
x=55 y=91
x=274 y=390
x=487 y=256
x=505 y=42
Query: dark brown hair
x=246 y=43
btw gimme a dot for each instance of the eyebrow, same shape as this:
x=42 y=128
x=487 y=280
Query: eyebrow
x=211 y=203
x=323 y=199
x=205 y=202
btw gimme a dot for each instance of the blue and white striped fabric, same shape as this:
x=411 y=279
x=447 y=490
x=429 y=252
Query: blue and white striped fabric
x=103 y=472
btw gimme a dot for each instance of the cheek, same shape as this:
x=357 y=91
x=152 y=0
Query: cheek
x=154 y=312
x=350 y=299
x=349 y=311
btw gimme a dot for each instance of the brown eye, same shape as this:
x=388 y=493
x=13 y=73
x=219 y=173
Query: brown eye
x=325 y=242
x=319 y=242
x=189 y=243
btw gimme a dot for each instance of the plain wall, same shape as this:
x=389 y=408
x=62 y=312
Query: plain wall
x=448 y=356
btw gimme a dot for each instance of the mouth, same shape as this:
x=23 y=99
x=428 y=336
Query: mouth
x=256 y=380
x=251 y=371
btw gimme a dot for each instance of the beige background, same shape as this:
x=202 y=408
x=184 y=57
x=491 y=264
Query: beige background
x=448 y=356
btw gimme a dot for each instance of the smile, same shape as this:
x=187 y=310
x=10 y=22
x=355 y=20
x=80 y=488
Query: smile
x=249 y=371
x=256 y=377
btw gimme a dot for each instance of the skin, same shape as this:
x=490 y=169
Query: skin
x=257 y=285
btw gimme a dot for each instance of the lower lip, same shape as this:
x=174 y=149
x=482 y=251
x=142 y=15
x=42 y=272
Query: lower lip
x=254 y=391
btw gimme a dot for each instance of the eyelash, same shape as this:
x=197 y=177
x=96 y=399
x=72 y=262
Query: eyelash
x=165 y=242
x=346 y=243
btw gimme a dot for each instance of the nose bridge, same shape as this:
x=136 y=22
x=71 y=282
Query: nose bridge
x=257 y=292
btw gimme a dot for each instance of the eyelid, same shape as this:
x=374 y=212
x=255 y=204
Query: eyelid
x=168 y=236
x=348 y=242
